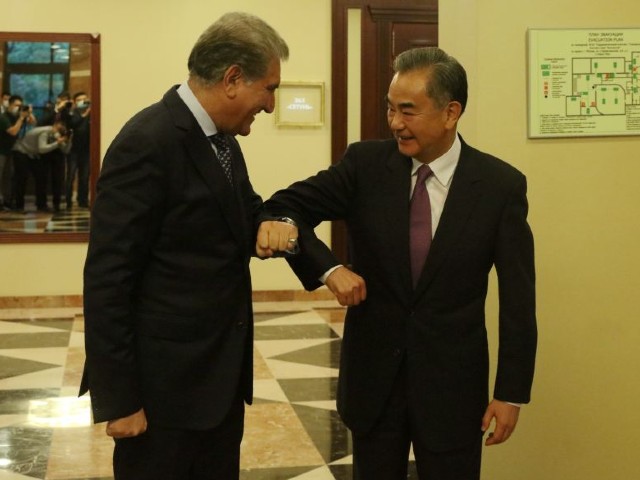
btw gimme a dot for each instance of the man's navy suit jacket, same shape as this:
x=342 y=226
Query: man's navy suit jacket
x=438 y=328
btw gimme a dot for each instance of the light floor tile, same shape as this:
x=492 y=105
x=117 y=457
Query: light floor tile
x=74 y=367
x=80 y=453
x=338 y=328
x=53 y=355
x=76 y=339
x=274 y=437
x=50 y=378
x=323 y=404
x=305 y=318
x=260 y=369
x=348 y=460
x=269 y=390
x=12 y=420
x=60 y=412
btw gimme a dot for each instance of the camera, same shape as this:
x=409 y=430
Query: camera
x=68 y=104
x=25 y=108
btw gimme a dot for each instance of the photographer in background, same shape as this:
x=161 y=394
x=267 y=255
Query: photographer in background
x=28 y=158
x=78 y=161
x=13 y=125
x=56 y=160
x=61 y=110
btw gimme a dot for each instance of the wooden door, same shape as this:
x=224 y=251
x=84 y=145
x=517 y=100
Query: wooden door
x=389 y=27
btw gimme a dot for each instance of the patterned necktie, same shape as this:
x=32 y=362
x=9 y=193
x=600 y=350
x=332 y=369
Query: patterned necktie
x=224 y=154
x=420 y=224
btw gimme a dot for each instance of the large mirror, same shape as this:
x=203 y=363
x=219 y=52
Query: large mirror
x=49 y=159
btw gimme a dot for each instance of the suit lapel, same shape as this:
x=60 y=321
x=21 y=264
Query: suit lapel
x=459 y=205
x=396 y=220
x=203 y=157
x=205 y=161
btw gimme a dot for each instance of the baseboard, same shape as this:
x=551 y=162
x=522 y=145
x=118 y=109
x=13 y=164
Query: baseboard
x=62 y=301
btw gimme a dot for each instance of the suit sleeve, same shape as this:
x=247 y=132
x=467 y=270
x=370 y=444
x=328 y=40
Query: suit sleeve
x=124 y=221
x=325 y=196
x=514 y=262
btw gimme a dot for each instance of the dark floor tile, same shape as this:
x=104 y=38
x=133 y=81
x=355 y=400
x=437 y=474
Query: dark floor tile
x=61 y=323
x=26 y=450
x=342 y=472
x=326 y=355
x=327 y=431
x=12 y=367
x=14 y=402
x=34 y=340
x=309 y=389
x=291 y=332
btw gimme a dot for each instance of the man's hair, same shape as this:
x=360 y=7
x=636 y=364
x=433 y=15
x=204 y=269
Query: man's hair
x=78 y=94
x=236 y=39
x=13 y=98
x=447 y=79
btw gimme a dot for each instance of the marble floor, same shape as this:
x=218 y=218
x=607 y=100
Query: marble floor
x=291 y=432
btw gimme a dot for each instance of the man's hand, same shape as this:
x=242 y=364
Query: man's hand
x=130 y=426
x=348 y=287
x=506 y=416
x=274 y=236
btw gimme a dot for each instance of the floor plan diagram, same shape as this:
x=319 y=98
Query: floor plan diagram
x=583 y=82
x=604 y=86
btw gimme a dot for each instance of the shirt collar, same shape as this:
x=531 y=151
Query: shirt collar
x=192 y=103
x=443 y=166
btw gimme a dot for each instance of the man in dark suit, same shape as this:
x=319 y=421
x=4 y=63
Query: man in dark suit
x=167 y=290
x=414 y=365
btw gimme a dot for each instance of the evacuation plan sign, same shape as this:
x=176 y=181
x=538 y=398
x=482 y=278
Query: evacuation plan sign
x=584 y=82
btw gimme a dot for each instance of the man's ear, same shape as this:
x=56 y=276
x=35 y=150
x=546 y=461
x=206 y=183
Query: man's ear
x=453 y=111
x=231 y=80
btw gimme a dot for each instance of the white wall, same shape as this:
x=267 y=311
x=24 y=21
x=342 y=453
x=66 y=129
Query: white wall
x=584 y=422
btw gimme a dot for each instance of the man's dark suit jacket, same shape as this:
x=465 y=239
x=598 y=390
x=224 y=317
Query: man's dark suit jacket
x=167 y=296
x=439 y=327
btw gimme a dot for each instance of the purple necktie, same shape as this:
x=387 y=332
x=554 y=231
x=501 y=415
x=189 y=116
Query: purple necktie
x=420 y=224
x=224 y=154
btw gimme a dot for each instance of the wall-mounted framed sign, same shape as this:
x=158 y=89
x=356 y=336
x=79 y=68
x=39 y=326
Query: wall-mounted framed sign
x=583 y=82
x=300 y=104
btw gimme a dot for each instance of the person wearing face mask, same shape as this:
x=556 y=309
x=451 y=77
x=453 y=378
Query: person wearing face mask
x=29 y=158
x=13 y=125
x=78 y=160
x=57 y=159
x=4 y=105
x=167 y=287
